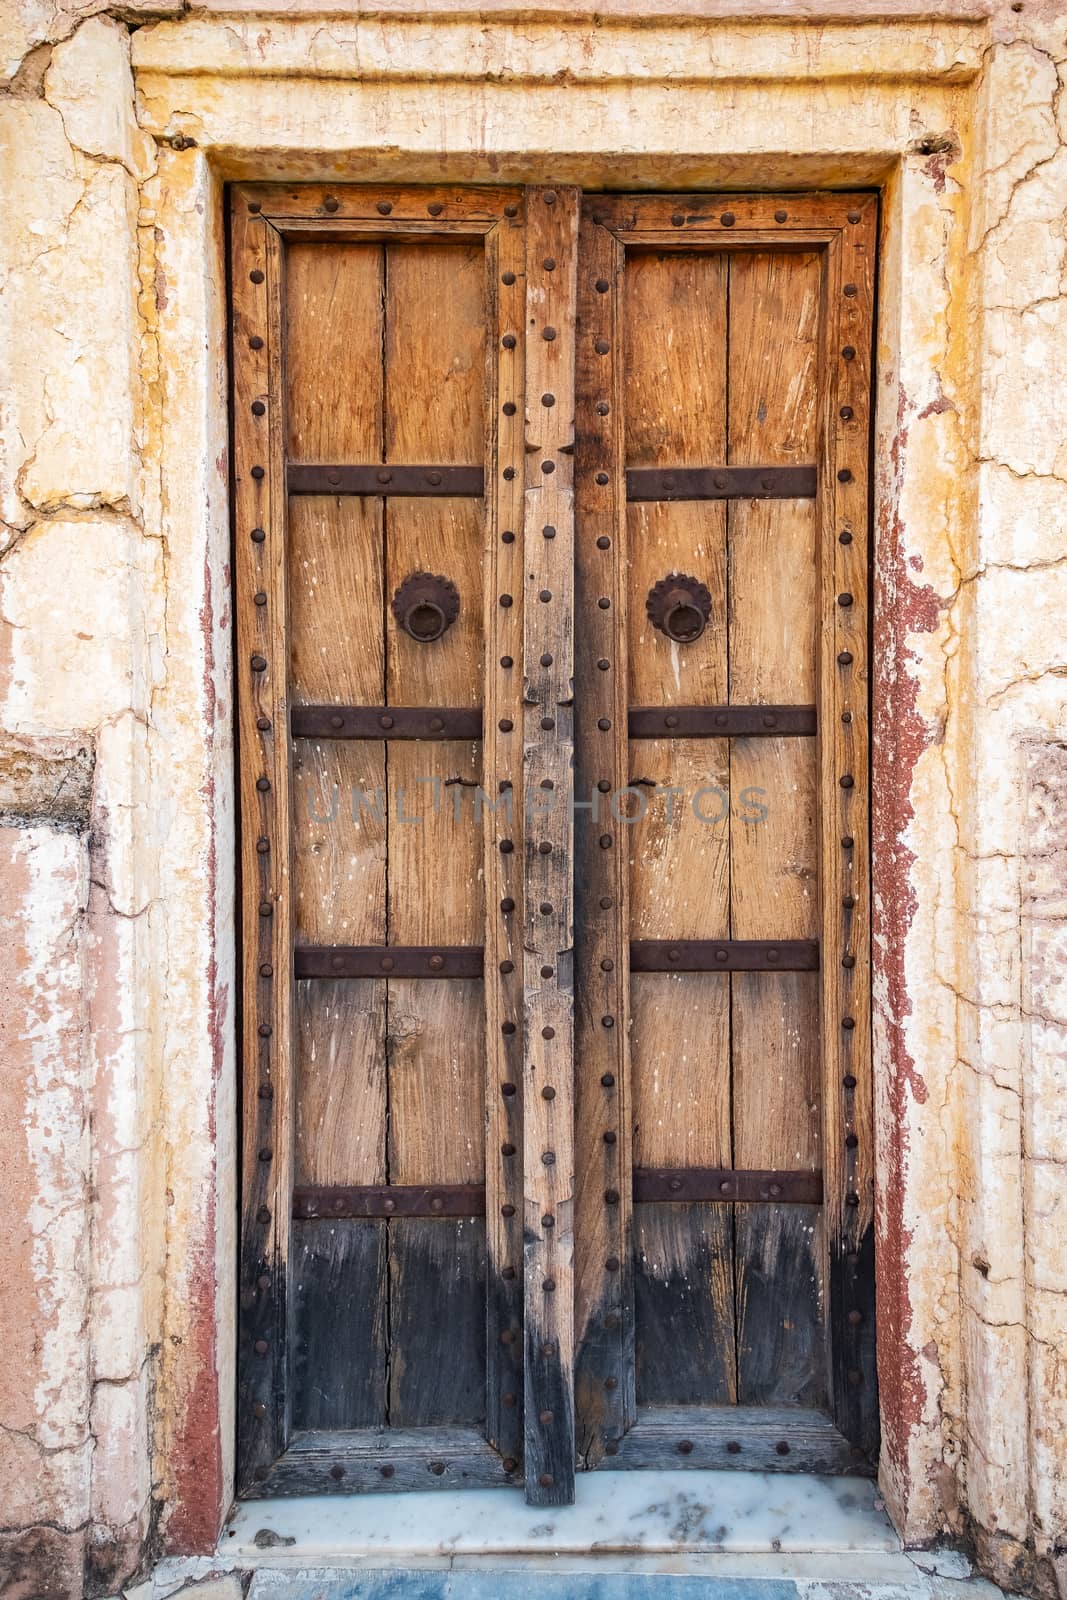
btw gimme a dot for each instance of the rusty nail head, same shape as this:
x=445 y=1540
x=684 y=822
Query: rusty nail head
x=258 y=535
x=266 y=970
x=782 y=1447
x=733 y=1447
x=256 y=276
x=437 y=1204
x=727 y=219
x=387 y=963
x=436 y=963
x=507 y=904
x=674 y=1185
x=548 y=333
x=548 y=1033
x=685 y=1447
x=258 y=408
x=546 y=1480
x=548 y=1093
x=549 y=197
x=726 y=1187
x=845 y=475
x=263 y=1281
x=507 y=1090
x=263 y=1214
x=507 y=1211
x=611 y=1197
x=437 y=1468
x=435 y=208
x=601 y=347
x=548 y=1158
x=259 y=1409
x=779 y=216
x=611 y=1137
x=509 y=1463
x=546 y=908
x=545 y=1417
x=844 y=658
x=331 y=202
x=549 y=1285
x=607 y=1080
x=255 y=342
x=548 y=1220
x=853 y=216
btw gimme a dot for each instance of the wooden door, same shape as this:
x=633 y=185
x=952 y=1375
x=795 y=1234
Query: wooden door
x=550 y=574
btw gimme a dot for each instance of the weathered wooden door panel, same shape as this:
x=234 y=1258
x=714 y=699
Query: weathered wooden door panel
x=551 y=520
x=721 y=590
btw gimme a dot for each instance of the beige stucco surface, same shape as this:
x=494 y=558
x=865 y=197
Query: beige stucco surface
x=117 y=1091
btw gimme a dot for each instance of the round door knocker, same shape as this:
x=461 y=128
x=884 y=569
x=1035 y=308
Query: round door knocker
x=679 y=607
x=426 y=605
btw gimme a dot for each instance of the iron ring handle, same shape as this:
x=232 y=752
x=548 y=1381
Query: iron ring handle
x=426 y=605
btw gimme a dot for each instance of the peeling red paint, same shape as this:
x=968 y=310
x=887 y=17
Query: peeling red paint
x=902 y=608
x=199 y=1487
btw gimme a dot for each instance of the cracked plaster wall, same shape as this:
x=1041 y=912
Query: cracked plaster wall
x=116 y=858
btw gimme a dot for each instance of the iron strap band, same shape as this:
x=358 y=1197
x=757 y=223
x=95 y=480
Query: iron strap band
x=467 y=961
x=721 y=483
x=724 y=955
x=386 y=722
x=706 y=1185
x=465 y=722
x=392 y=961
x=724 y=1185
x=722 y=722
x=347 y=478
x=390 y=1200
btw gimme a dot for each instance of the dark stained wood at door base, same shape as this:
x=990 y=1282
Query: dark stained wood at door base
x=385 y=1461
x=742 y=1438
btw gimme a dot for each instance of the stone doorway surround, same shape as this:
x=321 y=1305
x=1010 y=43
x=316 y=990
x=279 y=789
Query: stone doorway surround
x=116 y=760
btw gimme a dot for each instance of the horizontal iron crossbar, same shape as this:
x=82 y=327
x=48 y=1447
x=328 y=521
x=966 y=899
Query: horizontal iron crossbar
x=716 y=1185
x=724 y=955
x=720 y=483
x=710 y=722
x=341 y=478
x=394 y=961
x=390 y=1200
x=386 y=722
x=725 y=1185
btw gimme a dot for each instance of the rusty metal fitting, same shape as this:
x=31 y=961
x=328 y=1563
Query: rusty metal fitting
x=426 y=605
x=679 y=606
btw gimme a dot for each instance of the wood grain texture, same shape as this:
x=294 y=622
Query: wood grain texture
x=548 y=940
x=604 y=1365
x=340 y=1363
x=742 y=1438
x=385 y=1461
x=502 y=822
x=433 y=383
x=775 y=302
x=264 y=1397
x=675 y=320
x=845 y=888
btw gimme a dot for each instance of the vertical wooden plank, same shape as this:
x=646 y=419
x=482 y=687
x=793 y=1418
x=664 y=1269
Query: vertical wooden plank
x=434 y=311
x=844 y=864
x=503 y=828
x=263 y=1402
x=604 y=1368
x=675 y=401
x=548 y=749
x=335 y=577
x=773 y=410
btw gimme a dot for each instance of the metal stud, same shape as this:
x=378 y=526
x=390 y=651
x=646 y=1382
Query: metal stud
x=846 y=413
x=727 y=219
x=255 y=342
x=256 y=276
x=780 y=216
x=548 y=333
x=844 y=475
x=258 y=472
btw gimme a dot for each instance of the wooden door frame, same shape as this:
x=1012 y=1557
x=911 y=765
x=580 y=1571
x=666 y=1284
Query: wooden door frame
x=262 y=219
